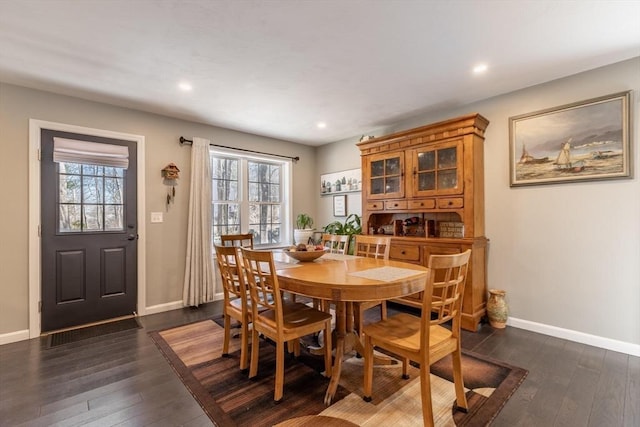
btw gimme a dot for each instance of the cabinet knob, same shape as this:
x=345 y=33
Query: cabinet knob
x=450 y=202
x=403 y=252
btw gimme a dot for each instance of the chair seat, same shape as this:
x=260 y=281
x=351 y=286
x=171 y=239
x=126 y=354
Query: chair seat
x=403 y=331
x=295 y=315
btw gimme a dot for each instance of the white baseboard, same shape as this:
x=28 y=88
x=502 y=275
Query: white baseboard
x=568 y=334
x=14 y=337
x=173 y=305
x=160 y=308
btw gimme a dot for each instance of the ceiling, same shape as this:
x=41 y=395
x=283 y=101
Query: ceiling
x=277 y=68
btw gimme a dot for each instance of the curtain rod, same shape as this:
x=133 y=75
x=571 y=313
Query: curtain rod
x=184 y=141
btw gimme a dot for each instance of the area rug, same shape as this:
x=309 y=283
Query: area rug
x=230 y=399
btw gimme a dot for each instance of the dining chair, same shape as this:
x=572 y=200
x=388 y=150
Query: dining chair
x=372 y=247
x=238 y=240
x=236 y=299
x=282 y=321
x=423 y=339
x=336 y=243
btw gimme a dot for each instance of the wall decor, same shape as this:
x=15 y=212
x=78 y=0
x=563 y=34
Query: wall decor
x=341 y=182
x=340 y=205
x=586 y=140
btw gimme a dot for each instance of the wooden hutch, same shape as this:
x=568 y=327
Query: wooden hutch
x=425 y=186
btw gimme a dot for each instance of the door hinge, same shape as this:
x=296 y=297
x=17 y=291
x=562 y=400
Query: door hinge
x=39 y=230
x=38 y=150
x=39 y=306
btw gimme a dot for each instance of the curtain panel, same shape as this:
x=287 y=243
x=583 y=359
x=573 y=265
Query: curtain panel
x=199 y=280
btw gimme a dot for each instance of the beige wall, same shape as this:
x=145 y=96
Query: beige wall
x=568 y=255
x=165 y=242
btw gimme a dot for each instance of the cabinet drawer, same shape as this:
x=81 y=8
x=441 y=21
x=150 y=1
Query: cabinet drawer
x=450 y=203
x=405 y=252
x=395 y=204
x=375 y=206
x=422 y=204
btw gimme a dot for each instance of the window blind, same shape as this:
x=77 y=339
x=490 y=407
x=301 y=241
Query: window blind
x=92 y=153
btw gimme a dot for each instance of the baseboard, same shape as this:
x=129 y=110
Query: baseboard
x=173 y=305
x=161 y=308
x=14 y=337
x=568 y=334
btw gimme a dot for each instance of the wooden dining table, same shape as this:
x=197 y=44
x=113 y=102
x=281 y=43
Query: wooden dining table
x=343 y=279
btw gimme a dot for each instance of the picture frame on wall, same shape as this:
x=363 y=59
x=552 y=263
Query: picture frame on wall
x=348 y=181
x=582 y=141
x=340 y=205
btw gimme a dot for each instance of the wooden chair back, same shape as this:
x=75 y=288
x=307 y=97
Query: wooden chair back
x=337 y=243
x=372 y=246
x=447 y=292
x=238 y=240
x=230 y=266
x=262 y=280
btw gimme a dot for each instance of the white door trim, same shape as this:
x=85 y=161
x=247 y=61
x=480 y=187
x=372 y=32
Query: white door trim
x=35 y=127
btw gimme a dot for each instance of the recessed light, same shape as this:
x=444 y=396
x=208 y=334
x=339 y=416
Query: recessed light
x=480 y=68
x=321 y=125
x=185 y=86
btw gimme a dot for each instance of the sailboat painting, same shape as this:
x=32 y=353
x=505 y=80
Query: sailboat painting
x=587 y=140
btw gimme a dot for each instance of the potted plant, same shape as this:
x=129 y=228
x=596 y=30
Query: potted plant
x=303 y=230
x=352 y=225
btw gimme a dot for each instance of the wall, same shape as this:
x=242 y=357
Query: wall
x=165 y=242
x=568 y=255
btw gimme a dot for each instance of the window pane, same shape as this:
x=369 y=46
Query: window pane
x=92 y=170
x=69 y=220
x=113 y=190
x=254 y=192
x=69 y=189
x=115 y=172
x=92 y=189
x=113 y=218
x=274 y=193
x=92 y=217
x=72 y=168
x=225 y=190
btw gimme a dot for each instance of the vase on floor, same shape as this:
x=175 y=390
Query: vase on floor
x=497 y=310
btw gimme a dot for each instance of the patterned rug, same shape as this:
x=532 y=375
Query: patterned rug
x=230 y=399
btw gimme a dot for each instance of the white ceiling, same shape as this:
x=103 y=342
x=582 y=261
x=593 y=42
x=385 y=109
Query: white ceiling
x=277 y=68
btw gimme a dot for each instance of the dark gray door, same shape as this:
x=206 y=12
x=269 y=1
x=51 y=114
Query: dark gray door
x=89 y=237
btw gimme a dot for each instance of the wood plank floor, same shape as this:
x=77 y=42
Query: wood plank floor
x=122 y=379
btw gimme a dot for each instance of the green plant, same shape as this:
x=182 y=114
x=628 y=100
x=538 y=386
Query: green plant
x=352 y=225
x=303 y=221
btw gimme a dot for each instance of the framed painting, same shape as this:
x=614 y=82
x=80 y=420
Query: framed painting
x=587 y=140
x=340 y=205
x=341 y=182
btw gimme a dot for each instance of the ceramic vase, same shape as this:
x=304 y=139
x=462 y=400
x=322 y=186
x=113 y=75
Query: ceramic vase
x=497 y=310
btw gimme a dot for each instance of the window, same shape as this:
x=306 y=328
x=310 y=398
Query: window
x=90 y=198
x=250 y=194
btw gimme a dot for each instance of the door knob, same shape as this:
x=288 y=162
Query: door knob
x=132 y=237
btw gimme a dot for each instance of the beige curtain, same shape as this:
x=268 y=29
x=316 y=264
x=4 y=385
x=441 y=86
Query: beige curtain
x=199 y=280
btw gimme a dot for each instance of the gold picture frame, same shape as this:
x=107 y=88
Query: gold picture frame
x=582 y=141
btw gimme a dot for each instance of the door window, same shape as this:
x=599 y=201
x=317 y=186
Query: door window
x=90 y=198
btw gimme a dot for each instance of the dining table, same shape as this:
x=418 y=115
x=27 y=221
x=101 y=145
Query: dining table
x=342 y=280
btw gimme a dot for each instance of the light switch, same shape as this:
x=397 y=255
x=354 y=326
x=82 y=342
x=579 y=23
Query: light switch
x=156 y=217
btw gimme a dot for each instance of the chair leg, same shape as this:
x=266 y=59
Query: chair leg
x=327 y=350
x=383 y=310
x=368 y=369
x=277 y=396
x=425 y=392
x=461 y=398
x=244 y=345
x=227 y=335
x=405 y=368
x=255 y=352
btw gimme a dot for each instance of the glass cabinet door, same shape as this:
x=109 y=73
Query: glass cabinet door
x=437 y=169
x=386 y=176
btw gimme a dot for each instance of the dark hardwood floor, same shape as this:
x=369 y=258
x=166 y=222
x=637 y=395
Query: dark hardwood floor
x=122 y=379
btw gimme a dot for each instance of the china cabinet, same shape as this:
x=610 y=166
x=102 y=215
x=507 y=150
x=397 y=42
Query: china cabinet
x=415 y=180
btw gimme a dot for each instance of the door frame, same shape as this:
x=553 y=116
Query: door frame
x=35 y=290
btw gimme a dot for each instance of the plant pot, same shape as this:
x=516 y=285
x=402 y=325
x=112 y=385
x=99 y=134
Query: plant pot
x=497 y=309
x=302 y=236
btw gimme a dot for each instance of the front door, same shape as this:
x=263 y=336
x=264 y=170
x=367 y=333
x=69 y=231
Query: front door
x=89 y=236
